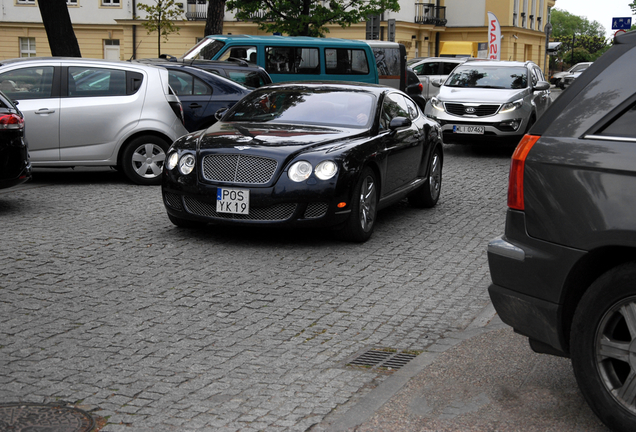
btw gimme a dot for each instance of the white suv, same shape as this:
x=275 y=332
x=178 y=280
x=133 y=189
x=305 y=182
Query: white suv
x=87 y=112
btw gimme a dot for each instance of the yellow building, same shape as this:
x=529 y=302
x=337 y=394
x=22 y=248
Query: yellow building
x=106 y=28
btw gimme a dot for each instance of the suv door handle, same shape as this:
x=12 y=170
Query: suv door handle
x=195 y=105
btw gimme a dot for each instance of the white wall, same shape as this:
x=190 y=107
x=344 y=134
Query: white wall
x=465 y=13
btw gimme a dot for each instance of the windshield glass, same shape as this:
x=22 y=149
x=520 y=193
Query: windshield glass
x=316 y=107
x=204 y=50
x=489 y=77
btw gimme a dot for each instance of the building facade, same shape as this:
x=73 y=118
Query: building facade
x=113 y=29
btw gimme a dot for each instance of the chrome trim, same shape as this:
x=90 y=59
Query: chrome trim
x=499 y=246
x=609 y=138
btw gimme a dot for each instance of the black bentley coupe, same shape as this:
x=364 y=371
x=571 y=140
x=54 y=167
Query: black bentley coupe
x=306 y=155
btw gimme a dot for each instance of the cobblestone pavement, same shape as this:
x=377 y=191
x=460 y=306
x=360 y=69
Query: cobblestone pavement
x=105 y=304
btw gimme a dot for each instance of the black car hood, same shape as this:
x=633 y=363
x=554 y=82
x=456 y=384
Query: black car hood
x=269 y=136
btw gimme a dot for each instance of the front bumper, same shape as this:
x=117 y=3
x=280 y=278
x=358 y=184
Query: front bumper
x=528 y=288
x=501 y=127
x=285 y=204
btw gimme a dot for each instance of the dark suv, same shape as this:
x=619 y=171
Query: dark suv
x=564 y=272
x=240 y=71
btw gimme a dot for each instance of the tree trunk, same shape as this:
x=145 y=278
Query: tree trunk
x=214 y=20
x=59 y=30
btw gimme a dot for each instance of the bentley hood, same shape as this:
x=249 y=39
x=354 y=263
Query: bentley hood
x=267 y=135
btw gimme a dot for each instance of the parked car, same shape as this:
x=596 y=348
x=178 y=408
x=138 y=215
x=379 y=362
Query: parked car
x=240 y=71
x=414 y=88
x=556 y=78
x=430 y=69
x=564 y=272
x=85 y=112
x=490 y=101
x=569 y=78
x=306 y=155
x=201 y=93
x=15 y=167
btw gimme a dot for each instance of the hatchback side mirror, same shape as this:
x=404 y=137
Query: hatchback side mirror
x=542 y=85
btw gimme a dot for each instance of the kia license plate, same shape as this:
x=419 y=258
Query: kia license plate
x=469 y=129
x=230 y=200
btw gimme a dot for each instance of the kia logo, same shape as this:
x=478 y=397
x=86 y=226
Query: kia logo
x=242 y=147
x=470 y=110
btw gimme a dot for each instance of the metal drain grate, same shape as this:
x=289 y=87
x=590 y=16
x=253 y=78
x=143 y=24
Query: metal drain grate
x=54 y=418
x=385 y=359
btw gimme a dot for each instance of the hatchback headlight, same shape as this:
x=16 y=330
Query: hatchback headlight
x=186 y=164
x=171 y=162
x=300 y=171
x=511 y=106
x=326 y=170
x=437 y=104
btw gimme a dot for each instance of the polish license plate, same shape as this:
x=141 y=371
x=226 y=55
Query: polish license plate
x=469 y=129
x=230 y=200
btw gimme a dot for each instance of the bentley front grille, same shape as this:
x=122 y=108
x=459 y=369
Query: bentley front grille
x=234 y=168
x=279 y=212
x=471 y=110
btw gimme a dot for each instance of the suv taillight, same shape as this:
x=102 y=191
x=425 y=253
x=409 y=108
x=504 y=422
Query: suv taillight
x=517 y=166
x=11 y=121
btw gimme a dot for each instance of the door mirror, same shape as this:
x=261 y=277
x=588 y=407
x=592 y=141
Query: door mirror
x=400 y=122
x=220 y=113
x=542 y=85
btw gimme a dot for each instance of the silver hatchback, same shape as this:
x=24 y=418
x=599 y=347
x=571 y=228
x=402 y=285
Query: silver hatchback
x=490 y=101
x=87 y=112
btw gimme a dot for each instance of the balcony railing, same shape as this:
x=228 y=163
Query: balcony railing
x=197 y=10
x=428 y=13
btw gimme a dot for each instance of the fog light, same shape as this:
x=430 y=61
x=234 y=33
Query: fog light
x=510 y=125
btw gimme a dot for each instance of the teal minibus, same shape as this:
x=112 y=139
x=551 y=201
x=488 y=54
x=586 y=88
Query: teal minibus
x=299 y=58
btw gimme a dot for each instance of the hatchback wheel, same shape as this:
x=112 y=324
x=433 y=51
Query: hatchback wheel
x=427 y=195
x=603 y=347
x=364 y=208
x=143 y=158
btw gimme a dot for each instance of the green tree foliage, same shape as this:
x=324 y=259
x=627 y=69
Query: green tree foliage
x=307 y=17
x=574 y=32
x=633 y=6
x=160 y=18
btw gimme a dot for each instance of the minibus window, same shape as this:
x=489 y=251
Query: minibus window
x=292 y=60
x=345 y=61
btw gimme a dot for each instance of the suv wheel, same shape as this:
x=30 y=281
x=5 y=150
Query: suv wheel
x=143 y=158
x=603 y=347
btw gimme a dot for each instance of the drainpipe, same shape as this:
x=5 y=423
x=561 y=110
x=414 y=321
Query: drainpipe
x=134 y=30
x=437 y=44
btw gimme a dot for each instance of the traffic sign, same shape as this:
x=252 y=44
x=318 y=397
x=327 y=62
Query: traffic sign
x=624 y=23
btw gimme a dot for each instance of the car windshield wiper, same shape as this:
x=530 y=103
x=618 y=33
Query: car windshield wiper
x=490 y=87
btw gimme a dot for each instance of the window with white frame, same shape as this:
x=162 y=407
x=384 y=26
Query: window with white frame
x=71 y=2
x=27 y=47
x=111 y=2
x=26 y=2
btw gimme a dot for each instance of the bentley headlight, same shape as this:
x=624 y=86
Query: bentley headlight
x=186 y=164
x=300 y=171
x=326 y=170
x=511 y=106
x=437 y=104
x=172 y=161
